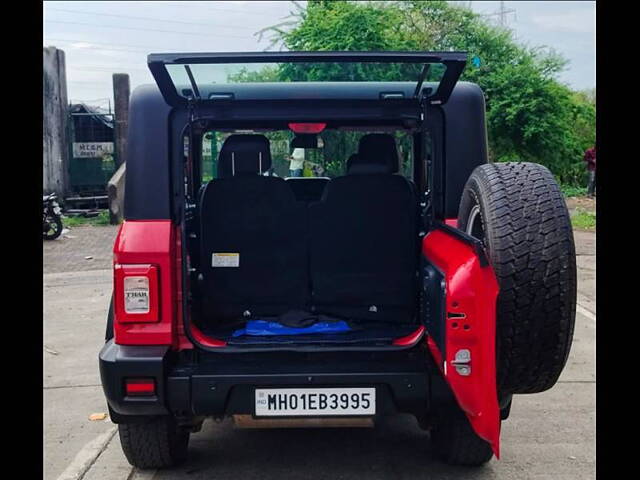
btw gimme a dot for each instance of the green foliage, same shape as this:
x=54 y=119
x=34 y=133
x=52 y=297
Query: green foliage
x=101 y=220
x=573 y=191
x=530 y=115
x=583 y=219
x=268 y=73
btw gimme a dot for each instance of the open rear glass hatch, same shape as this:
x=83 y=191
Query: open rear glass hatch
x=182 y=77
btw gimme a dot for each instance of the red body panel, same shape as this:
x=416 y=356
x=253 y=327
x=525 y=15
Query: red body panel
x=452 y=222
x=472 y=291
x=410 y=339
x=157 y=243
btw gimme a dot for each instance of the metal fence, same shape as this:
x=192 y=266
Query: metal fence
x=92 y=159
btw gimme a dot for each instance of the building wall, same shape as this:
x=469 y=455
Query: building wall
x=55 y=150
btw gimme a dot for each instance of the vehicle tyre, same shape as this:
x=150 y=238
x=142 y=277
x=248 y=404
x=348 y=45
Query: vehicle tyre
x=109 y=332
x=156 y=443
x=517 y=210
x=455 y=442
x=55 y=228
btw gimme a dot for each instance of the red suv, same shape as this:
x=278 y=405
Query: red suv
x=401 y=272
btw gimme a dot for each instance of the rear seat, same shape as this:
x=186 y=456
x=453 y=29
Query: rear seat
x=307 y=189
x=352 y=254
x=363 y=238
x=258 y=221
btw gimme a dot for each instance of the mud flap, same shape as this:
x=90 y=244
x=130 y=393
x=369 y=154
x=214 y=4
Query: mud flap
x=467 y=356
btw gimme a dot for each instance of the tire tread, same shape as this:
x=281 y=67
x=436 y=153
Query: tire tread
x=156 y=443
x=531 y=248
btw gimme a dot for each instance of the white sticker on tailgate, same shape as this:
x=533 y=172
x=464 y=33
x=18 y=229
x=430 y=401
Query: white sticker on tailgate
x=225 y=260
x=315 y=402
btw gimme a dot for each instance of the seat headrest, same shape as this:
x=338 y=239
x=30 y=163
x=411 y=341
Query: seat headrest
x=244 y=155
x=377 y=153
x=352 y=160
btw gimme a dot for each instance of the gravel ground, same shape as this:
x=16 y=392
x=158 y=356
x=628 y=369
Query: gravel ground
x=69 y=252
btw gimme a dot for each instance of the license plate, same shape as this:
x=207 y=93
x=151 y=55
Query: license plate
x=314 y=402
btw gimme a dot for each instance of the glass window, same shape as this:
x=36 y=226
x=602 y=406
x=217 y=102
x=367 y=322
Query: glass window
x=328 y=160
x=209 y=77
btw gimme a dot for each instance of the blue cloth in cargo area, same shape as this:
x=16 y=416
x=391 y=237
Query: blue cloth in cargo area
x=264 y=327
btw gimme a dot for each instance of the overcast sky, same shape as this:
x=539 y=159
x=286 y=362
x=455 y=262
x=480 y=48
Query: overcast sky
x=101 y=38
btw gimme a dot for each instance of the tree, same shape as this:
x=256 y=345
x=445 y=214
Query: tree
x=530 y=115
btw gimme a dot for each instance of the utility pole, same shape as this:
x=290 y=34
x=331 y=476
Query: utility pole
x=502 y=14
x=121 y=110
x=116 y=185
x=55 y=151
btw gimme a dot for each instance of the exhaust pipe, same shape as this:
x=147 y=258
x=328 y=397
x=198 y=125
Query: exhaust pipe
x=247 y=421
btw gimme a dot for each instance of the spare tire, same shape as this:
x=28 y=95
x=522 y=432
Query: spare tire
x=517 y=210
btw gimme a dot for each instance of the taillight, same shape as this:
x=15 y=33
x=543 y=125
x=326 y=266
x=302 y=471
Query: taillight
x=137 y=293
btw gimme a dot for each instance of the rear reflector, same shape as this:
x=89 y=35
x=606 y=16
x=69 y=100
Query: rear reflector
x=307 y=127
x=139 y=387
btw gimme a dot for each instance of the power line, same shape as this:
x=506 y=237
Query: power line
x=206 y=6
x=151 y=19
x=70 y=40
x=106 y=68
x=145 y=29
x=90 y=47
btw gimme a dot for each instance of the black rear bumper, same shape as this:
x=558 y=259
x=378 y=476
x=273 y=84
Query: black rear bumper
x=223 y=384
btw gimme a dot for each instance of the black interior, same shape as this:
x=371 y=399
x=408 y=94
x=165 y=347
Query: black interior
x=258 y=218
x=345 y=248
x=307 y=189
x=363 y=239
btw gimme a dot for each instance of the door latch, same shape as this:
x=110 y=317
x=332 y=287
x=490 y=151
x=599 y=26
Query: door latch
x=462 y=362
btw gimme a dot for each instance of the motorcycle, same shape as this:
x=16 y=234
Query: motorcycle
x=51 y=217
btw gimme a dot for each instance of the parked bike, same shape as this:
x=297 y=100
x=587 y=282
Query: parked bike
x=51 y=217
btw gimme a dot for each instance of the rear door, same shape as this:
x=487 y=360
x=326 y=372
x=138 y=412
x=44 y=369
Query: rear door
x=464 y=336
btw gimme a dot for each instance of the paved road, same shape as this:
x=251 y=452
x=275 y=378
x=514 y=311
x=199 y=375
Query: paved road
x=549 y=435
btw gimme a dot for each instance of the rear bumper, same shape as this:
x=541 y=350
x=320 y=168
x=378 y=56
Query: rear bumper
x=218 y=385
x=118 y=362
